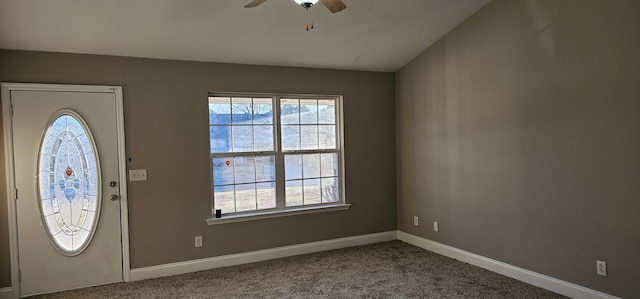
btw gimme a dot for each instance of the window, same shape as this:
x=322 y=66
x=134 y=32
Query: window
x=272 y=154
x=68 y=188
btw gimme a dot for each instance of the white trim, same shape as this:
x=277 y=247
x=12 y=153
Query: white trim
x=8 y=143
x=341 y=146
x=122 y=166
x=540 y=280
x=277 y=213
x=257 y=256
x=9 y=169
x=7 y=293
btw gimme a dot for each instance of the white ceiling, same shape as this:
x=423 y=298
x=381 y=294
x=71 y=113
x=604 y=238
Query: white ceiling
x=375 y=35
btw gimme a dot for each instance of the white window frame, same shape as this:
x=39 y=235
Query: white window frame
x=281 y=209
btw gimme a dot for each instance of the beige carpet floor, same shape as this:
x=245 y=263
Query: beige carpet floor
x=384 y=270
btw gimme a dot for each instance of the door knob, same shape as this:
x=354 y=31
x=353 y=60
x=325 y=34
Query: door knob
x=114 y=197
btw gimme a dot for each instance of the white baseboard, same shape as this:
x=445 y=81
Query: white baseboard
x=257 y=256
x=527 y=276
x=546 y=282
x=6 y=293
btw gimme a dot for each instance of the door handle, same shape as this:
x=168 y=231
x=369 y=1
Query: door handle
x=114 y=197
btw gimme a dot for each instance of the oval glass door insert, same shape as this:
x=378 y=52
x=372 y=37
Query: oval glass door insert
x=69 y=189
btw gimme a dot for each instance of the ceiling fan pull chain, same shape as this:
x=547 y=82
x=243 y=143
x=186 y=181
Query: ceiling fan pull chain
x=309 y=23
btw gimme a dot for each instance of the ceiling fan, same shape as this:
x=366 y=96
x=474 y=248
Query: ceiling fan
x=333 y=5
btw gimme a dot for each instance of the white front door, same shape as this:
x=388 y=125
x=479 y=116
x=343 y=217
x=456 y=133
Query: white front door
x=68 y=181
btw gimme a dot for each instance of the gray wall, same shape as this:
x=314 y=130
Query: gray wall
x=166 y=125
x=519 y=131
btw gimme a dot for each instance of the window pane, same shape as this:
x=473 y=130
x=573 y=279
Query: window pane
x=311 y=191
x=327 y=112
x=329 y=165
x=220 y=139
x=290 y=137
x=330 y=190
x=311 y=166
x=327 y=136
x=292 y=167
x=309 y=112
x=266 y=193
x=265 y=168
x=241 y=110
x=293 y=193
x=222 y=171
x=239 y=176
x=263 y=111
x=263 y=136
x=289 y=111
x=309 y=137
x=242 y=138
x=219 y=110
x=223 y=198
x=245 y=171
x=245 y=197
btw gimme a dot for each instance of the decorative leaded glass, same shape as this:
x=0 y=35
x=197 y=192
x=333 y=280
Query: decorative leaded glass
x=69 y=183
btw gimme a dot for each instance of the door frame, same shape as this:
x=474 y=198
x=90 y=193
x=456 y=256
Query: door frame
x=7 y=88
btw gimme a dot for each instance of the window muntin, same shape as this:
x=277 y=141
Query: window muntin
x=291 y=160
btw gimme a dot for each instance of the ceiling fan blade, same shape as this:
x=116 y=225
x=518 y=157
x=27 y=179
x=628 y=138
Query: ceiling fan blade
x=254 y=3
x=334 y=5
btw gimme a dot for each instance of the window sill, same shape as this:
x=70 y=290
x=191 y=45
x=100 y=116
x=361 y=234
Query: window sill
x=276 y=214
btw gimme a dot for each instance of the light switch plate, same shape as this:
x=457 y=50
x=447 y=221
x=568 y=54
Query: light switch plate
x=137 y=175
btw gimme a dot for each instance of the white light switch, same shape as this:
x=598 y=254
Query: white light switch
x=137 y=175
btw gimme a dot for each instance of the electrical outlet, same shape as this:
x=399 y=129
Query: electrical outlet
x=415 y=220
x=435 y=226
x=198 y=241
x=601 y=268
